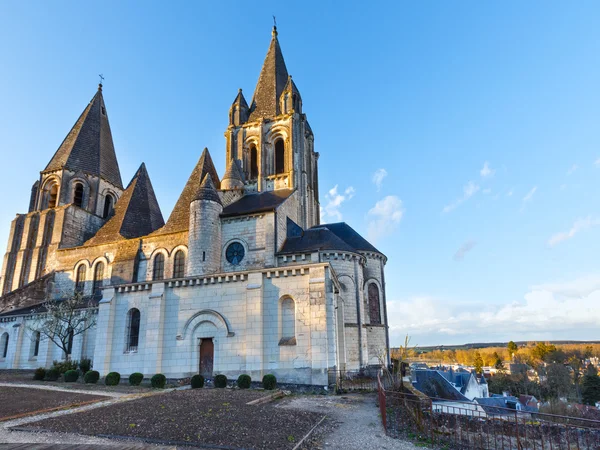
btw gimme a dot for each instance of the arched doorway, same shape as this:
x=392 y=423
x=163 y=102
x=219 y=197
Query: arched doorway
x=207 y=356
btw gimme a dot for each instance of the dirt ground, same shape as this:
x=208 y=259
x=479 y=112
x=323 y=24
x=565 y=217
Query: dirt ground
x=218 y=417
x=16 y=401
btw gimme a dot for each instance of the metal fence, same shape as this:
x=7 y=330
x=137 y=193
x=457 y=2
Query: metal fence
x=354 y=380
x=461 y=425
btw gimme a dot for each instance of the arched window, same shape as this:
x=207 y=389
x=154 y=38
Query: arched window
x=80 y=279
x=4 y=344
x=253 y=163
x=108 y=206
x=279 y=156
x=98 y=279
x=158 y=271
x=133 y=330
x=53 y=195
x=288 y=322
x=36 y=343
x=179 y=264
x=78 y=195
x=374 y=311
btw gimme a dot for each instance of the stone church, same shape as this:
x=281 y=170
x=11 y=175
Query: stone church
x=241 y=278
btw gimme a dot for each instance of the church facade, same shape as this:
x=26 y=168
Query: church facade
x=241 y=278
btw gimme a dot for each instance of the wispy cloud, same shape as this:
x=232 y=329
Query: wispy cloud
x=572 y=170
x=597 y=162
x=334 y=200
x=384 y=217
x=486 y=170
x=579 y=225
x=464 y=249
x=510 y=193
x=528 y=197
x=469 y=190
x=378 y=177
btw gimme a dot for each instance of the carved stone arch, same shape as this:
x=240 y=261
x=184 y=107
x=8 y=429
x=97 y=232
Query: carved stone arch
x=278 y=131
x=249 y=143
x=373 y=301
x=80 y=262
x=151 y=261
x=344 y=287
x=183 y=248
x=44 y=192
x=79 y=177
x=206 y=315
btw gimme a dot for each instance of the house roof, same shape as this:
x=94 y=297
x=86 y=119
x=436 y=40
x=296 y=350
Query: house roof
x=346 y=233
x=136 y=213
x=271 y=82
x=315 y=239
x=255 y=203
x=433 y=384
x=89 y=145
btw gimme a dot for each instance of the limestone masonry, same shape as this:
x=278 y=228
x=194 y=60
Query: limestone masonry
x=242 y=277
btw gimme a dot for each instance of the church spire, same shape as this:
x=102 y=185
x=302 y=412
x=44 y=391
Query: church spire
x=271 y=82
x=89 y=146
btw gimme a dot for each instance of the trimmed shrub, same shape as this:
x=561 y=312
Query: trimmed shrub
x=91 y=377
x=158 y=381
x=112 y=379
x=269 y=382
x=244 y=381
x=85 y=364
x=71 y=376
x=197 y=381
x=39 y=374
x=220 y=381
x=52 y=374
x=135 y=378
x=63 y=366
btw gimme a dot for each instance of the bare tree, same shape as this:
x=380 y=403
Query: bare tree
x=61 y=320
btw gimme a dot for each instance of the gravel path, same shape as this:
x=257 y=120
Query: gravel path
x=354 y=422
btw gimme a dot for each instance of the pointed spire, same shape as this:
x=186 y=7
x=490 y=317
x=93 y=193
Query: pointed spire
x=273 y=78
x=136 y=214
x=89 y=146
x=207 y=191
x=179 y=218
x=233 y=177
x=240 y=100
x=238 y=113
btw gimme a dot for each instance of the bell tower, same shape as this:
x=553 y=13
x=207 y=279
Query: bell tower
x=271 y=139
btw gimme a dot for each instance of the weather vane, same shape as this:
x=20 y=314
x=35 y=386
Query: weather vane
x=274 y=22
x=101 y=78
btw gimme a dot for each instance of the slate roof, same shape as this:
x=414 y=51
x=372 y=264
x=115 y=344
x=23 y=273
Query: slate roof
x=497 y=405
x=433 y=384
x=90 y=302
x=315 y=239
x=89 y=145
x=346 y=233
x=240 y=100
x=180 y=216
x=254 y=203
x=271 y=82
x=233 y=172
x=207 y=191
x=136 y=213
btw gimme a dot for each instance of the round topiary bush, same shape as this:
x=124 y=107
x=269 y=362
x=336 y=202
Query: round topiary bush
x=91 y=377
x=71 y=376
x=52 y=374
x=244 y=381
x=112 y=379
x=39 y=374
x=135 y=378
x=269 y=382
x=220 y=381
x=158 y=381
x=197 y=381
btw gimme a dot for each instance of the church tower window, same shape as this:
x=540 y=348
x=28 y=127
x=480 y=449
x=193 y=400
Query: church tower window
x=80 y=279
x=179 y=264
x=288 y=322
x=133 y=330
x=279 y=156
x=158 y=271
x=36 y=343
x=4 y=344
x=108 y=206
x=53 y=195
x=253 y=163
x=98 y=279
x=374 y=310
x=78 y=195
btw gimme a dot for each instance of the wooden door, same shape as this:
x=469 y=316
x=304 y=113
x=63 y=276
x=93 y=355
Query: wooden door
x=207 y=352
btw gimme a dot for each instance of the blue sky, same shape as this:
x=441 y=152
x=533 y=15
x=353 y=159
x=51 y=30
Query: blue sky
x=462 y=138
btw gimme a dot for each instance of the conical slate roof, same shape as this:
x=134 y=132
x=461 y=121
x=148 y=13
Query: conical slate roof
x=136 y=214
x=240 y=100
x=89 y=145
x=233 y=172
x=180 y=217
x=207 y=191
x=273 y=78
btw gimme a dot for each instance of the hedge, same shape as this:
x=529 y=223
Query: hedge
x=158 y=381
x=112 y=379
x=244 y=381
x=269 y=382
x=91 y=377
x=220 y=381
x=197 y=381
x=135 y=378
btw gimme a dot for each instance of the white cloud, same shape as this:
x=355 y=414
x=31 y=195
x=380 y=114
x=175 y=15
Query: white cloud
x=486 y=171
x=509 y=193
x=378 y=177
x=557 y=310
x=464 y=249
x=572 y=170
x=334 y=201
x=469 y=190
x=487 y=191
x=384 y=217
x=528 y=197
x=597 y=162
x=579 y=225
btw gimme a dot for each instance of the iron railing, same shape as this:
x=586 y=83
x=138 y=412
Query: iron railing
x=460 y=425
x=354 y=380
